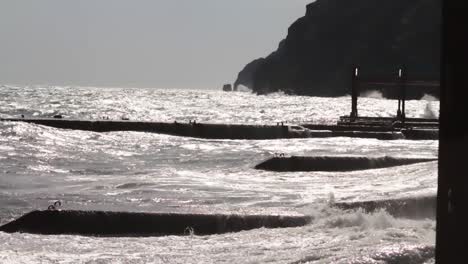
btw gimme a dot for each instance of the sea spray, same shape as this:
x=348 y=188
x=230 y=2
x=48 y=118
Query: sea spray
x=429 y=112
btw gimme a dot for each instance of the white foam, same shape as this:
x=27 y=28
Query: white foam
x=377 y=220
x=158 y=173
x=373 y=94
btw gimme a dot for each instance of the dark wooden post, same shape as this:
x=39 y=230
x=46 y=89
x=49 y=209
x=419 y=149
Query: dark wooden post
x=452 y=195
x=354 y=92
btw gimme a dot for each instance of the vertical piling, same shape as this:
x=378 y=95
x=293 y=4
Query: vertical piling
x=402 y=94
x=452 y=196
x=399 y=109
x=354 y=92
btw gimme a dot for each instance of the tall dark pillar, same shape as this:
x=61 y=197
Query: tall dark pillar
x=399 y=109
x=452 y=196
x=354 y=92
x=403 y=79
x=400 y=87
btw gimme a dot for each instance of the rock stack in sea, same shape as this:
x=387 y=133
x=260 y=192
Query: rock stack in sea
x=380 y=36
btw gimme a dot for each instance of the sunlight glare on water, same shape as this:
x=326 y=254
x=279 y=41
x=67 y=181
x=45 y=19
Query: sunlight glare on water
x=130 y=171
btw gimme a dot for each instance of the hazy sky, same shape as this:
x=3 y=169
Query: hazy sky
x=138 y=43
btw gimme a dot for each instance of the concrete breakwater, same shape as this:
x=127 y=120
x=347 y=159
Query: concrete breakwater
x=230 y=131
x=296 y=163
x=414 y=207
x=197 y=130
x=121 y=224
x=131 y=224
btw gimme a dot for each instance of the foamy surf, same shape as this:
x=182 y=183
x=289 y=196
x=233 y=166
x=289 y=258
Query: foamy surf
x=142 y=172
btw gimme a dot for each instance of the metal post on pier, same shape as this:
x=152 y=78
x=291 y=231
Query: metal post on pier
x=402 y=94
x=399 y=96
x=354 y=92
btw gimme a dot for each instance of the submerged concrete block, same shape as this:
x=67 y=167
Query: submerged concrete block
x=413 y=207
x=421 y=134
x=296 y=163
x=100 y=223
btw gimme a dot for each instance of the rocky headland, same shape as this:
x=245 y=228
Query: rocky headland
x=321 y=48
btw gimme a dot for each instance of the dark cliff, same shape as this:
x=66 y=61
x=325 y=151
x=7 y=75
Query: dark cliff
x=380 y=36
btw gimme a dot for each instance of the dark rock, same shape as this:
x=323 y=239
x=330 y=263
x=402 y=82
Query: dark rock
x=99 y=223
x=295 y=163
x=227 y=88
x=380 y=36
x=246 y=76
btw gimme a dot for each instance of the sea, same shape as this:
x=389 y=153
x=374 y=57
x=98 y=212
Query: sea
x=149 y=172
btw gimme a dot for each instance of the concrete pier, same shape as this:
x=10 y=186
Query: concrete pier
x=197 y=130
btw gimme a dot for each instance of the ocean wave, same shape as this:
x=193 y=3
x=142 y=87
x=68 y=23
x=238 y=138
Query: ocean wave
x=131 y=171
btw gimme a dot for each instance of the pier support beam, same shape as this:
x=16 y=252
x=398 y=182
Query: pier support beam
x=452 y=195
x=354 y=92
x=402 y=94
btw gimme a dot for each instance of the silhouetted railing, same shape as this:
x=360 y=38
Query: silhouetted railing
x=401 y=82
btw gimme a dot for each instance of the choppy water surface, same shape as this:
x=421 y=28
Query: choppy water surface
x=158 y=173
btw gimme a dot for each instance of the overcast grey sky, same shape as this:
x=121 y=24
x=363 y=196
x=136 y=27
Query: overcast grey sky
x=138 y=43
